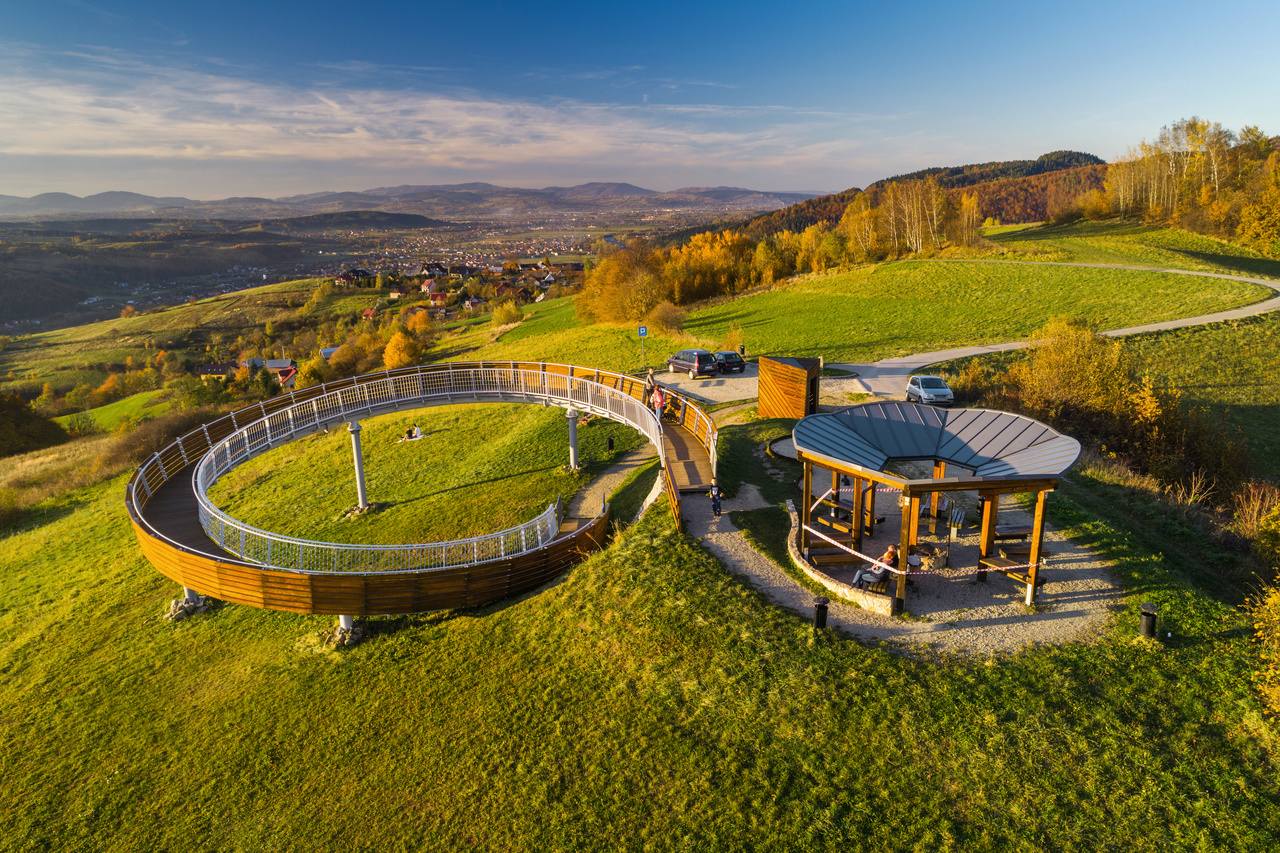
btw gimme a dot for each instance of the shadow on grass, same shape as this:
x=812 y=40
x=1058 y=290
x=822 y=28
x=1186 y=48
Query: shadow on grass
x=22 y=520
x=1253 y=266
x=475 y=483
x=1186 y=555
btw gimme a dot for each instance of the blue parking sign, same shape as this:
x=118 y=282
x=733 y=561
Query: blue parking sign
x=644 y=331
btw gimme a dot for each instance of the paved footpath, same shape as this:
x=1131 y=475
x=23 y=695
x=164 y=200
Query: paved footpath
x=889 y=377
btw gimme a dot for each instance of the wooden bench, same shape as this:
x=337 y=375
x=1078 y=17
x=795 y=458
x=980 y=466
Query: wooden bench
x=1021 y=550
x=1005 y=566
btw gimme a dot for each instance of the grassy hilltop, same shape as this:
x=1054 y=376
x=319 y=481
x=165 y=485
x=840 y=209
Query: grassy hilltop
x=651 y=699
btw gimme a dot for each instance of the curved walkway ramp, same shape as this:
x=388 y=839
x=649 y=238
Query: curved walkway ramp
x=173 y=519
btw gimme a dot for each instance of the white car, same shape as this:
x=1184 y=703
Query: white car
x=930 y=390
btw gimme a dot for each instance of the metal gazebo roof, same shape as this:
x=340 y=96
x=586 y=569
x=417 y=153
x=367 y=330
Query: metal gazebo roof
x=989 y=443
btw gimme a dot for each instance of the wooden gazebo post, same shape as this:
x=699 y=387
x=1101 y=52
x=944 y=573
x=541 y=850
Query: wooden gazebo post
x=855 y=517
x=915 y=522
x=1037 y=540
x=990 y=507
x=939 y=471
x=900 y=597
x=870 y=521
x=807 y=500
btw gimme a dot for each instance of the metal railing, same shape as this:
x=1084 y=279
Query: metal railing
x=303 y=555
x=462 y=384
x=237 y=437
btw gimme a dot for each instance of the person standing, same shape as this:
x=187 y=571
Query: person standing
x=717 y=495
x=658 y=400
x=650 y=385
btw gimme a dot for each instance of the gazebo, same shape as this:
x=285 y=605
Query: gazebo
x=1002 y=453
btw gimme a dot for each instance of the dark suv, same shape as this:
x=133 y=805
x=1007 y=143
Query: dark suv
x=695 y=362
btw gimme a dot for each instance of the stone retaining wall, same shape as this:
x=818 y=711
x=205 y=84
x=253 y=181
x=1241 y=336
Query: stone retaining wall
x=874 y=602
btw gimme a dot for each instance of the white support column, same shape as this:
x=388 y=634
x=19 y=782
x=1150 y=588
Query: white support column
x=189 y=594
x=346 y=623
x=354 y=428
x=572 y=416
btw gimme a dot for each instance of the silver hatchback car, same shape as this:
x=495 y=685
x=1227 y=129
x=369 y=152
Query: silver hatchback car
x=930 y=390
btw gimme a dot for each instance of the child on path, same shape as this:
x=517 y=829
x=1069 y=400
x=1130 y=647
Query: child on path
x=717 y=495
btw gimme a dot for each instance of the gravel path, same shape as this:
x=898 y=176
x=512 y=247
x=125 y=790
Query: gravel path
x=587 y=503
x=952 y=613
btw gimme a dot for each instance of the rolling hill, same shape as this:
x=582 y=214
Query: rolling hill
x=469 y=200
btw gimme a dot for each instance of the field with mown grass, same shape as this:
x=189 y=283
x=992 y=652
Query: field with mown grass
x=146 y=404
x=60 y=356
x=650 y=700
x=477 y=469
x=1132 y=243
x=901 y=308
x=551 y=332
x=1232 y=369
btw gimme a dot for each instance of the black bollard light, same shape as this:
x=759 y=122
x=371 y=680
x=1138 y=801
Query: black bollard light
x=820 y=613
x=1147 y=621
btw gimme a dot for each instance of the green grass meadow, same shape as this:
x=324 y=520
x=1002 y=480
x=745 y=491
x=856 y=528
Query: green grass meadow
x=1131 y=243
x=477 y=469
x=650 y=699
x=146 y=404
x=1232 y=369
x=59 y=356
x=896 y=309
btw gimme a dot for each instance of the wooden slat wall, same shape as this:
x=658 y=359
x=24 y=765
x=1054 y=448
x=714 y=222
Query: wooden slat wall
x=368 y=595
x=785 y=391
x=673 y=497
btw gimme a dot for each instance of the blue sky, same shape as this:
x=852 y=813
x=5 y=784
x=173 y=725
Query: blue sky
x=274 y=98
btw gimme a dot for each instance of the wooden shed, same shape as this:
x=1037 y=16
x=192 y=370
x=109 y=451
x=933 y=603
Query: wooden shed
x=789 y=387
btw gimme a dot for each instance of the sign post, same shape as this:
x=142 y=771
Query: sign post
x=644 y=333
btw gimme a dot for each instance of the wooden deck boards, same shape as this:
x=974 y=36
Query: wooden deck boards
x=688 y=460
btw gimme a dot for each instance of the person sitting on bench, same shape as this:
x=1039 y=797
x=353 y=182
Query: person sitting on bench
x=863 y=578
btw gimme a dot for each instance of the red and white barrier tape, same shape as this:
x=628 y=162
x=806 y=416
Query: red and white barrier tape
x=876 y=562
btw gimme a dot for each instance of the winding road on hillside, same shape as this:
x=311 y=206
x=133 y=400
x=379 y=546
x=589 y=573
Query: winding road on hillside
x=888 y=377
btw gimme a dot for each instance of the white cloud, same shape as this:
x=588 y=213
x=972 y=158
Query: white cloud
x=95 y=104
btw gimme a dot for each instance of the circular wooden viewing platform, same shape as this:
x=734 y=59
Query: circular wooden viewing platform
x=193 y=542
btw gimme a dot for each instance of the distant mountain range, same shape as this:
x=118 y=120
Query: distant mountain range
x=456 y=201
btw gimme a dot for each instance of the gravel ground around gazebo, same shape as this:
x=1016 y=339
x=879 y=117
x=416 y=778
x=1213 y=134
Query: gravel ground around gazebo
x=951 y=612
